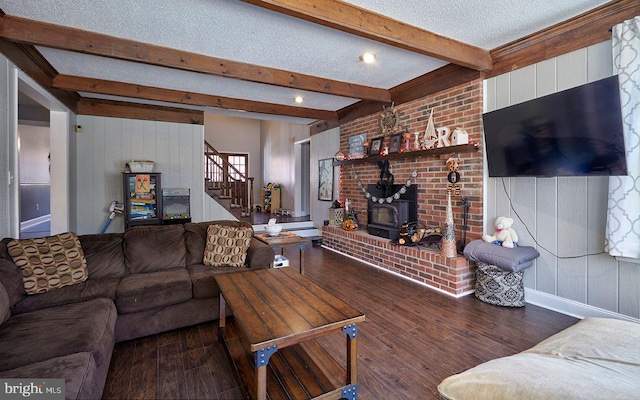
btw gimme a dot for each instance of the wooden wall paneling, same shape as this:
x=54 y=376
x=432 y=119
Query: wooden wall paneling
x=84 y=172
x=602 y=269
x=184 y=164
x=570 y=212
x=599 y=61
x=572 y=238
x=162 y=134
x=629 y=289
x=173 y=151
x=546 y=73
x=114 y=164
x=524 y=203
x=522 y=85
x=197 y=167
x=503 y=91
x=99 y=177
x=546 y=235
x=108 y=143
x=572 y=69
x=489 y=95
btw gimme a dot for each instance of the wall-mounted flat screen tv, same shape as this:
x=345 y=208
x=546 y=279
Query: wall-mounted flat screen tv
x=575 y=132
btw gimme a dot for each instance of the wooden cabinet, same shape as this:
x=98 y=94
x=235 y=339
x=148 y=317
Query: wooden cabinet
x=270 y=199
x=142 y=199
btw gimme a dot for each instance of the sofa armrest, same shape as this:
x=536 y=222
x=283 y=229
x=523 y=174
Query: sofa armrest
x=260 y=255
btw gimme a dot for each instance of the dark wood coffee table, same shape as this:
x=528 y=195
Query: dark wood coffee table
x=277 y=314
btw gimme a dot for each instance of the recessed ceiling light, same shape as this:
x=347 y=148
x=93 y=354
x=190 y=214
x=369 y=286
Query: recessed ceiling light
x=298 y=99
x=368 y=58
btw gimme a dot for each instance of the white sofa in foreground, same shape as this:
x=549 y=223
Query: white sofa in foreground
x=597 y=358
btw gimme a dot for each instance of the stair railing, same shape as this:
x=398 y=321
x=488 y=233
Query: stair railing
x=224 y=176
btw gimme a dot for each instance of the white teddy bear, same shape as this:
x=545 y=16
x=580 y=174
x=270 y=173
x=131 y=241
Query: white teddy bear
x=504 y=233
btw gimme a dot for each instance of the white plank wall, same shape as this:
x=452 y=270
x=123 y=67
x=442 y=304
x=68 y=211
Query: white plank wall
x=323 y=145
x=106 y=144
x=564 y=217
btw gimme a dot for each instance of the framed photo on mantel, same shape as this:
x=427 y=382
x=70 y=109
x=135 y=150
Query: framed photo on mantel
x=376 y=146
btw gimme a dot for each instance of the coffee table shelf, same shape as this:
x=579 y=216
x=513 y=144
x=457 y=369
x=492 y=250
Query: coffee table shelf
x=302 y=371
x=277 y=315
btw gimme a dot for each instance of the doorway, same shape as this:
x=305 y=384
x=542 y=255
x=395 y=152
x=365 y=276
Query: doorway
x=302 y=195
x=42 y=162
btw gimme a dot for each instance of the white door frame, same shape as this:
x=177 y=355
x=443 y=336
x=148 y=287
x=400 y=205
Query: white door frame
x=60 y=134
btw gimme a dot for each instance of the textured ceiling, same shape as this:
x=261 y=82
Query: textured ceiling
x=246 y=33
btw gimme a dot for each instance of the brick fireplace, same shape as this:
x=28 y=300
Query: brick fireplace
x=459 y=106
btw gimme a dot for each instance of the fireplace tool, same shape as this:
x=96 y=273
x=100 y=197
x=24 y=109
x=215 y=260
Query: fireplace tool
x=465 y=211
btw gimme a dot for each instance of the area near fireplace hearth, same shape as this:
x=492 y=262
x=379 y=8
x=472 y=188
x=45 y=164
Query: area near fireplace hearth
x=457 y=107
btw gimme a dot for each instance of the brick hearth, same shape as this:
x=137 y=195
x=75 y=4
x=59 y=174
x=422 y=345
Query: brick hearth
x=455 y=276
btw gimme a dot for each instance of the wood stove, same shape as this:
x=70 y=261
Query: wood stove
x=385 y=218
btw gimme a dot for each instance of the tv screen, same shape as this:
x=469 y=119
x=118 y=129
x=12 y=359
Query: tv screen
x=575 y=132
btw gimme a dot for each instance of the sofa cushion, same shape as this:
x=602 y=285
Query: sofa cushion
x=140 y=292
x=37 y=336
x=154 y=248
x=195 y=234
x=227 y=245
x=5 y=312
x=204 y=279
x=11 y=279
x=104 y=254
x=49 y=262
x=597 y=358
x=79 y=371
x=88 y=290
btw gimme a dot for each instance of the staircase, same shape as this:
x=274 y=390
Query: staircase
x=233 y=190
x=227 y=185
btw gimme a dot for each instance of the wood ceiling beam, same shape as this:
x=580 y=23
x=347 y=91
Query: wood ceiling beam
x=99 y=86
x=37 y=33
x=361 y=22
x=33 y=64
x=121 y=109
x=584 y=30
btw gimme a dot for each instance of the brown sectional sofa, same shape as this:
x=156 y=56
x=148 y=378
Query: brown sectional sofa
x=146 y=280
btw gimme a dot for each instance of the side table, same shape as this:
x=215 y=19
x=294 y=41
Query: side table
x=285 y=239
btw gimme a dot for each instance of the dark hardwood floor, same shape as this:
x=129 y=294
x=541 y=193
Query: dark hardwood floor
x=412 y=339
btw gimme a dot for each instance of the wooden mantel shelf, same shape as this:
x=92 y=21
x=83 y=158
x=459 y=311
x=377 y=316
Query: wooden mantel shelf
x=463 y=148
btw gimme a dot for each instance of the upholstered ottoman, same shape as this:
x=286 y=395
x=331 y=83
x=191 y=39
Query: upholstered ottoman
x=499 y=287
x=500 y=271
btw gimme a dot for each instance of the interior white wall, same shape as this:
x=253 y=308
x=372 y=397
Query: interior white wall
x=323 y=145
x=107 y=144
x=237 y=135
x=565 y=215
x=278 y=142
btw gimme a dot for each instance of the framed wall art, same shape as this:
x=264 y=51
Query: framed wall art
x=376 y=146
x=394 y=144
x=325 y=179
x=356 y=145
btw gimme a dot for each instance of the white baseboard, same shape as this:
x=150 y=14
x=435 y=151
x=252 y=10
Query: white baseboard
x=570 y=307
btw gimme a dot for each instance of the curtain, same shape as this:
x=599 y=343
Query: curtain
x=622 y=236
